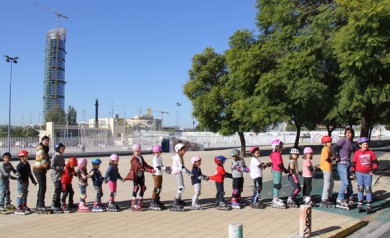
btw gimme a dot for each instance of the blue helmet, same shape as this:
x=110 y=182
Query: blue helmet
x=58 y=146
x=220 y=159
x=362 y=140
x=96 y=161
x=234 y=152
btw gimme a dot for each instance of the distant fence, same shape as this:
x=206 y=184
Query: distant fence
x=105 y=145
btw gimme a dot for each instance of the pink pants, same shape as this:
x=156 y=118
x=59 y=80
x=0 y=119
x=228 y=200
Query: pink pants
x=112 y=186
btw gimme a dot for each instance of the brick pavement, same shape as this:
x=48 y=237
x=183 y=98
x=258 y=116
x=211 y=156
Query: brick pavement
x=205 y=223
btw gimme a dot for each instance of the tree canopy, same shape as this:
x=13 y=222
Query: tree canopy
x=311 y=63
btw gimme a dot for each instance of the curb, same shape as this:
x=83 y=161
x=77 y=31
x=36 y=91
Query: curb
x=346 y=229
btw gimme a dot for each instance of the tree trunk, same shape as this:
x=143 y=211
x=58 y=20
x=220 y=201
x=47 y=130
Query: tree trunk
x=365 y=126
x=330 y=129
x=299 y=127
x=243 y=144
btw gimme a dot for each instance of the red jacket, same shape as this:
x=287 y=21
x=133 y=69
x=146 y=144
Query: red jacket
x=219 y=175
x=364 y=161
x=136 y=166
x=67 y=175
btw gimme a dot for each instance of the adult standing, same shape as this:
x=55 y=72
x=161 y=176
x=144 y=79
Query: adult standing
x=342 y=150
x=41 y=165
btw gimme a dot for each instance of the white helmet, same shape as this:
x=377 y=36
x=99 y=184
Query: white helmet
x=179 y=147
x=294 y=151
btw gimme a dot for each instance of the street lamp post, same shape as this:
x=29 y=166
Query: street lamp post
x=178 y=113
x=10 y=60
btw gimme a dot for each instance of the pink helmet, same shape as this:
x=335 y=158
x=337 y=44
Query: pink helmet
x=114 y=157
x=156 y=149
x=276 y=143
x=195 y=158
x=136 y=147
x=253 y=149
x=81 y=163
x=307 y=150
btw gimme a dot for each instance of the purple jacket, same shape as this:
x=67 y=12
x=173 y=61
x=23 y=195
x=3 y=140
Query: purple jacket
x=344 y=149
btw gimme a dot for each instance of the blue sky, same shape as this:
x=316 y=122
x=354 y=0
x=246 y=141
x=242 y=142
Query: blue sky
x=129 y=54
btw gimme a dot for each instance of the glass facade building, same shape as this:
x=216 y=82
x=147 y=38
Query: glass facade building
x=54 y=82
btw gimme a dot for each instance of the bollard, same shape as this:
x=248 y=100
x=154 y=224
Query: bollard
x=235 y=230
x=305 y=221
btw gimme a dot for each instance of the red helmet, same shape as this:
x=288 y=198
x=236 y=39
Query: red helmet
x=326 y=139
x=72 y=161
x=22 y=153
x=253 y=149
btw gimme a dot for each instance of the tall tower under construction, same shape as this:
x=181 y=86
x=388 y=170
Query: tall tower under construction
x=54 y=82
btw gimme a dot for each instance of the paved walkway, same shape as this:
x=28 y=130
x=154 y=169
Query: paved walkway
x=209 y=222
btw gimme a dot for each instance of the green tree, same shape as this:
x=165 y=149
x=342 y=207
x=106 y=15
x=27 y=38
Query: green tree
x=56 y=115
x=297 y=87
x=362 y=50
x=71 y=116
x=209 y=93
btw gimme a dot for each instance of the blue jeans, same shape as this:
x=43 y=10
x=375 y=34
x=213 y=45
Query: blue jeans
x=258 y=186
x=22 y=193
x=83 y=193
x=345 y=178
x=4 y=191
x=364 y=180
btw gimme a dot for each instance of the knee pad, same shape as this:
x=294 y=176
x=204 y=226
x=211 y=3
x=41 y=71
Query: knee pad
x=83 y=196
x=136 y=188
x=143 y=188
x=278 y=186
x=20 y=195
x=368 y=189
x=112 y=194
x=360 y=188
x=157 y=190
x=236 y=192
x=181 y=189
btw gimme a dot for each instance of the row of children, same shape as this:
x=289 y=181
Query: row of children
x=364 y=163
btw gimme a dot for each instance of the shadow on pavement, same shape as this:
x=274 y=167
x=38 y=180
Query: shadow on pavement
x=325 y=230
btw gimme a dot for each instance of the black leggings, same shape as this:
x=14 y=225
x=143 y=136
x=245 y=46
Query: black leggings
x=40 y=174
x=306 y=186
x=67 y=189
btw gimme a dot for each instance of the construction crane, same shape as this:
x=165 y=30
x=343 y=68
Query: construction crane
x=162 y=115
x=59 y=15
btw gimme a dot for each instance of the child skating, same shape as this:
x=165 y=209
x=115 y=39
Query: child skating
x=83 y=176
x=219 y=178
x=111 y=178
x=178 y=168
x=158 y=166
x=277 y=169
x=57 y=165
x=97 y=180
x=196 y=179
x=238 y=169
x=24 y=170
x=293 y=173
x=5 y=175
x=139 y=166
x=364 y=163
x=326 y=167
x=307 y=174
x=256 y=174
x=67 y=188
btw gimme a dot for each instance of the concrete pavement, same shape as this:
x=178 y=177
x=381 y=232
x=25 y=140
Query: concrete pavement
x=209 y=222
